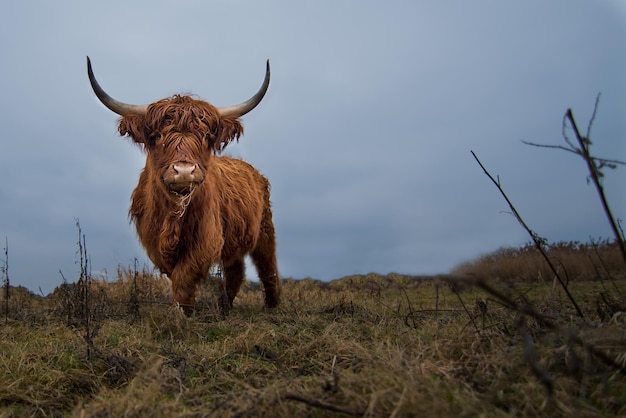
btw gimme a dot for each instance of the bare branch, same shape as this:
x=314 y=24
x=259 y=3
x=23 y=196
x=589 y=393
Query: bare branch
x=539 y=241
x=594 y=165
x=595 y=177
x=593 y=116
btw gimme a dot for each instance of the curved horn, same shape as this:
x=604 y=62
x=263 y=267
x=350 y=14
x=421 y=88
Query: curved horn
x=120 y=108
x=243 y=108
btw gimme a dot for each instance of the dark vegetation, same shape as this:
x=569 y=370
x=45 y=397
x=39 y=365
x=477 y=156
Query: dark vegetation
x=361 y=345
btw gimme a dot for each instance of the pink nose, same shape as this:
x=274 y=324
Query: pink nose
x=184 y=172
x=182 y=177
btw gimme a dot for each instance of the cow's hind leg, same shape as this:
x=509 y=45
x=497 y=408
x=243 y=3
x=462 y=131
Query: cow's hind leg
x=234 y=274
x=264 y=259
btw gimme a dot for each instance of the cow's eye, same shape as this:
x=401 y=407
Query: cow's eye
x=153 y=138
x=210 y=139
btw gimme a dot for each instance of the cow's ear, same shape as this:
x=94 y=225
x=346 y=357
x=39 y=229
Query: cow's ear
x=230 y=129
x=134 y=127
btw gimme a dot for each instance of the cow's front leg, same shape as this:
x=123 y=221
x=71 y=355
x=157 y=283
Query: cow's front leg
x=184 y=285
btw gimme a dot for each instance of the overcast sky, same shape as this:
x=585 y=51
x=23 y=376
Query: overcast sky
x=365 y=133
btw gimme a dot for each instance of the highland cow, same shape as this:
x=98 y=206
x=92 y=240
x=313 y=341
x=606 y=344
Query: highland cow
x=192 y=207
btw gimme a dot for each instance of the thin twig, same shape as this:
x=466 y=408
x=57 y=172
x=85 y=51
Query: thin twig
x=323 y=405
x=539 y=242
x=410 y=313
x=603 y=161
x=469 y=315
x=593 y=116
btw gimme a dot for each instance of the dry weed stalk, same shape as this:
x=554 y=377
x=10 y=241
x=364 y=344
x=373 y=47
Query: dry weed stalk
x=77 y=303
x=603 y=264
x=456 y=291
x=539 y=242
x=6 y=284
x=133 y=299
x=84 y=286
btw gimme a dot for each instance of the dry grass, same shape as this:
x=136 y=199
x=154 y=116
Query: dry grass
x=574 y=260
x=360 y=346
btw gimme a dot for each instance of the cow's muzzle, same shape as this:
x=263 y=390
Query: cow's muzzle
x=182 y=177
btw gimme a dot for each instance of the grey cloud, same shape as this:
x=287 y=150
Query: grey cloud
x=365 y=132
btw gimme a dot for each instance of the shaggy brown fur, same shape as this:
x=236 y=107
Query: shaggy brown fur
x=223 y=218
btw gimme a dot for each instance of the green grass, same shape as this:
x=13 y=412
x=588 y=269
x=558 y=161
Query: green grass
x=363 y=345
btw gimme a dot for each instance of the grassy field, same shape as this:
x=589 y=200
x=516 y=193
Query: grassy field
x=360 y=346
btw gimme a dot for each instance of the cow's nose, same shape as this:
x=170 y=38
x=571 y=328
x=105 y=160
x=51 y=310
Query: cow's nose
x=182 y=177
x=184 y=171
